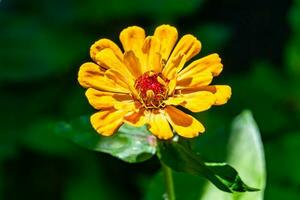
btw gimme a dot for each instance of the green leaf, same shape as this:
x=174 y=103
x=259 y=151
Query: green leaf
x=129 y=144
x=183 y=159
x=246 y=154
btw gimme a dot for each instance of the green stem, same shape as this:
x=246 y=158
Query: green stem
x=168 y=178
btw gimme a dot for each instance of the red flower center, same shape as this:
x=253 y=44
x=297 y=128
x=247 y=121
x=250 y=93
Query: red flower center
x=152 y=89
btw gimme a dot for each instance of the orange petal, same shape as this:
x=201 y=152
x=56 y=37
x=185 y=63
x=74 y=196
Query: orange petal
x=168 y=36
x=152 y=57
x=195 y=101
x=90 y=76
x=211 y=63
x=103 y=44
x=159 y=125
x=101 y=100
x=107 y=122
x=187 y=45
x=184 y=124
x=136 y=119
x=133 y=64
x=132 y=38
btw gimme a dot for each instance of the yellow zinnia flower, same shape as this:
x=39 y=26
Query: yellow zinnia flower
x=143 y=84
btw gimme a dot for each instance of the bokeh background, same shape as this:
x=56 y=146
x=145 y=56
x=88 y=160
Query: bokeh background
x=43 y=43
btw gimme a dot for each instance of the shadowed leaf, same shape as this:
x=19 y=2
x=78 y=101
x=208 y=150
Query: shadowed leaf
x=183 y=159
x=129 y=144
x=246 y=154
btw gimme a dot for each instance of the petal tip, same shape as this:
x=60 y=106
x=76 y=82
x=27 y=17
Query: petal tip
x=130 y=31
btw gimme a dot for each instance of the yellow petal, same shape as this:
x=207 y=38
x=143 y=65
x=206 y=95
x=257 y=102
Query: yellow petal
x=126 y=105
x=103 y=44
x=108 y=60
x=133 y=64
x=90 y=76
x=107 y=122
x=184 y=124
x=88 y=72
x=200 y=79
x=119 y=78
x=159 y=125
x=152 y=58
x=211 y=63
x=174 y=65
x=122 y=80
x=221 y=92
x=132 y=38
x=188 y=45
x=195 y=101
x=171 y=86
x=101 y=100
x=156 y=62
x=168 y=36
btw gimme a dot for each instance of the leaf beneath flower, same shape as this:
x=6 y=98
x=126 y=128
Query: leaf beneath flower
x=130 y=144
x=245 y=153
x=182 y=159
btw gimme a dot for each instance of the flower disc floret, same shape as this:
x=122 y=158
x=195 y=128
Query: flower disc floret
x=151 y=89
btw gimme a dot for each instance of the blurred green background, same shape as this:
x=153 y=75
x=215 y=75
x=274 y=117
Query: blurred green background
x=43 y=43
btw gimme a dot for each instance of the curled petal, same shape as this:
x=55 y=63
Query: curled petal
x=119 y=78
x=187 y=45
x=103 y=100
x=152 y=57
x=103 y=44
x=221 y=92
x=132 y=38
x=108 y=60
x=91 y=76
x=201 y=79
x=185 y=125
x=133 y=64
x=168 y=36
x=173 y=66
x=211 y=63
x=88 y=72
x=159 y=125
x=107 y=122
x=196 y=101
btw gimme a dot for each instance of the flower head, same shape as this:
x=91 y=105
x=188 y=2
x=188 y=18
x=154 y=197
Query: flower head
x=143 y=83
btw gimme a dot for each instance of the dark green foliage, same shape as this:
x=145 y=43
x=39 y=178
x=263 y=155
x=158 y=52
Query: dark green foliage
x=129 y=144
x=221 y=175
x=43 y=43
